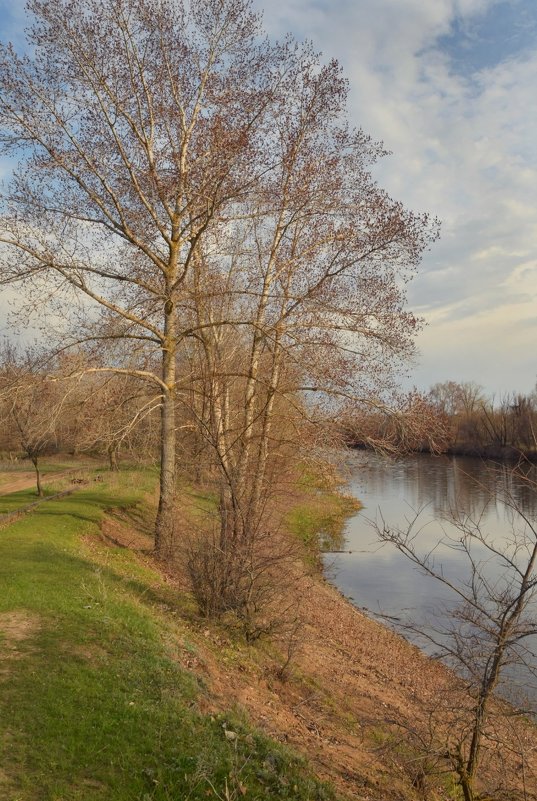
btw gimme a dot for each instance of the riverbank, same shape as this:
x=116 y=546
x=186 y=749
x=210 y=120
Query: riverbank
x=113 y=687
x=496 y=453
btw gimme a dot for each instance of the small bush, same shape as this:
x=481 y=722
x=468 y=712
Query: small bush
x=250 y=582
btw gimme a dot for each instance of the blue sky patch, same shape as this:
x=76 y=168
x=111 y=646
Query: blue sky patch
x=504 y=31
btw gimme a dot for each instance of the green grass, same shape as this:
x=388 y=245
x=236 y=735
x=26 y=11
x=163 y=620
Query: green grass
x=93 y=705
x=319 y=518
x=20 y=499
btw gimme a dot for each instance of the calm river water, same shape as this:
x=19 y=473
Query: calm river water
x=379 y=578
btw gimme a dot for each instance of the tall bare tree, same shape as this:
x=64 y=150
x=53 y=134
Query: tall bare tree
x=153 y=131
x=138 y=122
x=298 y=301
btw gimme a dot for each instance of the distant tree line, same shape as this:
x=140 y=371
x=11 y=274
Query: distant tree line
x=458 y=418
x=504 y=425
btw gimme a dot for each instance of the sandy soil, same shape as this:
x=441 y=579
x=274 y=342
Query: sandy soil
x=13 y=482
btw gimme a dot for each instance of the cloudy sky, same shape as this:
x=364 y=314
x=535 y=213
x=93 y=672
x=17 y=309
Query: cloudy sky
x=450 y=87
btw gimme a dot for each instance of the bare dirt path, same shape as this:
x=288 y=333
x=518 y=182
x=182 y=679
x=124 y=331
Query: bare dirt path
x=9 y=483
x=14 y=481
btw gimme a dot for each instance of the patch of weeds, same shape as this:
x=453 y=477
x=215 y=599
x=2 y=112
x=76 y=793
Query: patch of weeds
x=378 y=737
x=256 y=767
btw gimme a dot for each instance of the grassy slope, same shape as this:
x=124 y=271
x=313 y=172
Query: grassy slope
x=93 y=705
x=319 y=515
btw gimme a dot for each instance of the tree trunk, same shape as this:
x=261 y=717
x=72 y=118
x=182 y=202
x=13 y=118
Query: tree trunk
x=40 y=492
x=165 y=523
x=470 y=772
x=112 y=458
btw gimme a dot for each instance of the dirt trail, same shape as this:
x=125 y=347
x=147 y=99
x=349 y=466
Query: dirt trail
x=16 y=481
x=21 y=482
x=15 y=628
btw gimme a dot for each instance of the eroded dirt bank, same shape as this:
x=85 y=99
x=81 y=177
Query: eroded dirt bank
x=369 y=710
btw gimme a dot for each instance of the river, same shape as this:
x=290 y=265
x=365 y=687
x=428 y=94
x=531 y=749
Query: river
x=380 y=579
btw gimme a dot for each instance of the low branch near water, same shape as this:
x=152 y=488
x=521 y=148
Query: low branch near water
x=490 y=629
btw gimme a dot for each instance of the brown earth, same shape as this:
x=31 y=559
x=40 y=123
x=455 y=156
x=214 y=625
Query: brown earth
x=21 y=482
x=356 y=698
x=14 y=481
x=15 y=628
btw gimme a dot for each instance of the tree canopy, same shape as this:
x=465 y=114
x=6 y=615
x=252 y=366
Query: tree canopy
x=189 y=177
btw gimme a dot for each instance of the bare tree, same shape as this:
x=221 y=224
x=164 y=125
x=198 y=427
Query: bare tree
x=140 y=123
x=462 y=403
x=113 y=413
x=31 y=406
x=457 y=398
x=298 y=303
x=163 y=143
x=487 y=634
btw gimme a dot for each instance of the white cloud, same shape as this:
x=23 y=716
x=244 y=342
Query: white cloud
x=463 y=149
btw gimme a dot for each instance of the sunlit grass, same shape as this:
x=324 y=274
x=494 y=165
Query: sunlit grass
x=93 y=705
x=318 y=517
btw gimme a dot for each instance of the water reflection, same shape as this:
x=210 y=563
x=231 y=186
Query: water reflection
x=440 y=483
x=380 y=578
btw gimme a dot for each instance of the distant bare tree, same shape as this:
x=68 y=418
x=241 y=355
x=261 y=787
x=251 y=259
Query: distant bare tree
x=524 y=412
x=112 y=413
x=462 y=403
x=457 y=398
x=31 y=405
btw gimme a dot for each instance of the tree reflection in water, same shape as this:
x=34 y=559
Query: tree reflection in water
x=380 y=578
